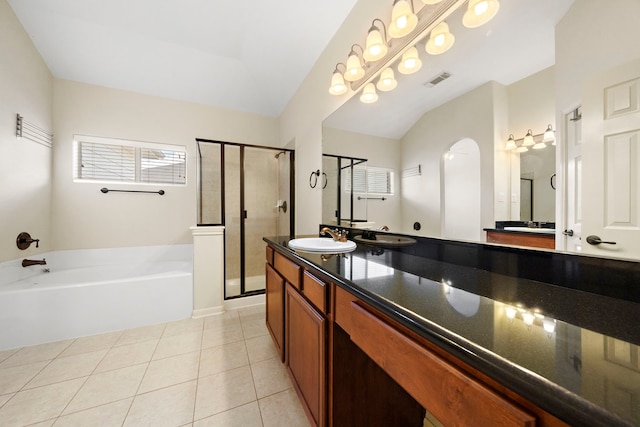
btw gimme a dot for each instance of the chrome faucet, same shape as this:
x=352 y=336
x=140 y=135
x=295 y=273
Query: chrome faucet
x=28 y=262
x=338 y=236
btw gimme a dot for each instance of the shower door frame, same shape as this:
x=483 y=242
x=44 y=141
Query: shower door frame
x=242 y=209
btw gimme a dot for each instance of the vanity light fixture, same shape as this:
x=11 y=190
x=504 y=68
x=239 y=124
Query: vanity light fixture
x=480 y=12
x=369 y=94
x=403 y=19
x=376 y=46
x=410 y=62
x=511 y=143
x=549 y=135
x=354 y=71
x=440 y=39
x=387 y=80
x=338 y=86
x=528 y=139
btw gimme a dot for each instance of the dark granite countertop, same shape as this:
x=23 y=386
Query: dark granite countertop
x=571 y=352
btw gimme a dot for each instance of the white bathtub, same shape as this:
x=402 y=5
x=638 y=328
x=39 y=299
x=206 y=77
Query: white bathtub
x=93 y=291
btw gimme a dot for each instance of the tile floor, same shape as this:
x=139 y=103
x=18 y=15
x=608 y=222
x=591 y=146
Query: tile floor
x=218 y=371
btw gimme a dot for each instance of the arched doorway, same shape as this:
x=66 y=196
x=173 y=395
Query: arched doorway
x=461 y=191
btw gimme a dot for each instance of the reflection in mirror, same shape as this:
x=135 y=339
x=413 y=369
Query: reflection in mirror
x=524 y=70
x=345 y=191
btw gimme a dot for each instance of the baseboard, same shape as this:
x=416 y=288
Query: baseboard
x=205 y=312
x=233 y=304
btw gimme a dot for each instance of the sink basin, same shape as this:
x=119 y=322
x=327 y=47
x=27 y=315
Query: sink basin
x=532 y=230
x=388 y=240
x=321 y=245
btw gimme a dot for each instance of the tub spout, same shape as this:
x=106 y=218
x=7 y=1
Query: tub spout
x=28 y=262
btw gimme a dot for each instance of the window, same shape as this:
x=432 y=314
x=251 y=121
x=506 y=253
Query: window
x=370 y=180
x=103 y=159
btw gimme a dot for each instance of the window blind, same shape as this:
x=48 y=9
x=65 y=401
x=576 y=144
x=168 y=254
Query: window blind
x=370 y=180
x=129 y=163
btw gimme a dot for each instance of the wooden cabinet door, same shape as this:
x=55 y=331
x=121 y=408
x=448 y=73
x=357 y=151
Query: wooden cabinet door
x=275 y=308
x=306 y=353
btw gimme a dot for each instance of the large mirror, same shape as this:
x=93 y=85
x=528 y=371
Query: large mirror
x=524 y=70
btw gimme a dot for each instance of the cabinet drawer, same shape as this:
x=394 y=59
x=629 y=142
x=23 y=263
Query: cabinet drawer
x=269 y=255
x=315 y=290
x=453 y=397
x=288 y=269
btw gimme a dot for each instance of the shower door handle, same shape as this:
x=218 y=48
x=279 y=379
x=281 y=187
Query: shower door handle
x=245 y=214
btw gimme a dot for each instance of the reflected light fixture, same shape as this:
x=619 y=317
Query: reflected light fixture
x=403 y=19
x=440 y=39
x=528 y=318
x=354 y=71
x=539 y=145
x=511 y=143
x=480 y=12
x=522 y=149
x=377 y=46
x=528 y=139
x=369 y=94
x=338 y=86
x=387 y=80
x=549 y=135
x=410 y=62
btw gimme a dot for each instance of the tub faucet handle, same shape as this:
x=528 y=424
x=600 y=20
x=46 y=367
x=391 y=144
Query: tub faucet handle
x=24 y=240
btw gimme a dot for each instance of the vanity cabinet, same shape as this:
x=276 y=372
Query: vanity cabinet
x=275 y=290
x=544 y=241
x=306 y=338
x=353 y=365
x=297 y=301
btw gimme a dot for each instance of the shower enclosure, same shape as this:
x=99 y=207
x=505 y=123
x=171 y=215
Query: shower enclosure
x=344 y=188
x=249 y=190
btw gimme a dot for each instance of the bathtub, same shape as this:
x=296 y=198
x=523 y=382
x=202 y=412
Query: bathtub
x=87 y=292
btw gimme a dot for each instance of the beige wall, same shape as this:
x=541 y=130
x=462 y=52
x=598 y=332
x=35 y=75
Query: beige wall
x=26 y=87
x=427 y=141
x=301 y=122
x=83 y=217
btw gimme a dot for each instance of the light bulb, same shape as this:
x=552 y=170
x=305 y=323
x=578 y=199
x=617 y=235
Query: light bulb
x=338 y=87
x=354 y=68
x=403 y=20
x=410 y=62
x=387 y=80
x=369 y=94
x=440 y=39
x=480 y=12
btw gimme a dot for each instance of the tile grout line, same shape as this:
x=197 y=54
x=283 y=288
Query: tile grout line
x=124 y=420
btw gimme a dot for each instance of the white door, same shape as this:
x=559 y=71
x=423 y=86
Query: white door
x=611 y=154
x=572 y=125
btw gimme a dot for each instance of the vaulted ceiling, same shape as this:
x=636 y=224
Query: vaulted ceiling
x=245 y=55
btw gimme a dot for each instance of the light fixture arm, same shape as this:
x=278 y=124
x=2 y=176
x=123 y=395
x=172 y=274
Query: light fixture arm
x=338 y=70
x=352 y=51
x=386 y=39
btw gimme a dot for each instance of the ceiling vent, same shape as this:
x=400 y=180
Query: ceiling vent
x=438 y=79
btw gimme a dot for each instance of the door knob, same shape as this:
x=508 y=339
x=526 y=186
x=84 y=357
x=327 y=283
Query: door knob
x=568 y=233
x=595 y=240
